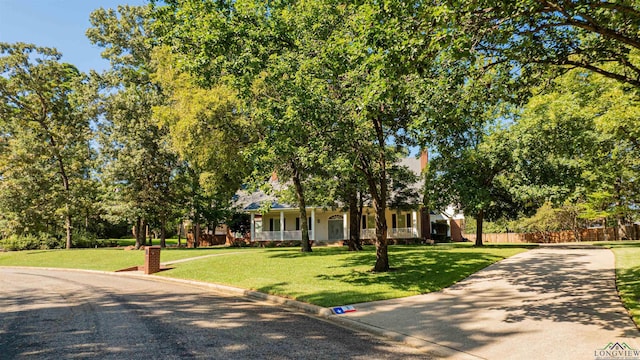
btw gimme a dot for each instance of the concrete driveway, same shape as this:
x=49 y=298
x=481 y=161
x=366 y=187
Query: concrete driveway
x=543 y=304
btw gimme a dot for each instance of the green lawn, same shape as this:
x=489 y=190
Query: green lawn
x=333 y=276
x=328 y=276
x=628 y=277
x=106 y=259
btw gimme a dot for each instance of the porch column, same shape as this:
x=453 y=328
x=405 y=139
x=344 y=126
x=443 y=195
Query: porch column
x=313 y=224
x=253 y=227
x=345 y=227
x=414 y=225
x=281 y=225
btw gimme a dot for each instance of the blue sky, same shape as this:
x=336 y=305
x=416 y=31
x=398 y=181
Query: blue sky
x=56 y=23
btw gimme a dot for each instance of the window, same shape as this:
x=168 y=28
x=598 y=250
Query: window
x=401 y=222
x=297 y=223
x=368 y=222
x=274 y=224
x=310 y=224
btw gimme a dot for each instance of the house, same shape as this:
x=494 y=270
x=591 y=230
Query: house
x=331 y=225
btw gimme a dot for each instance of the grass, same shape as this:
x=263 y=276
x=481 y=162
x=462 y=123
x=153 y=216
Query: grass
x=333 y=276
x=628 y=278
x=326 y=277
x=105 y=259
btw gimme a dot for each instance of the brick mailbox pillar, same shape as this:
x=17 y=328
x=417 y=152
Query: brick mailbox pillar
x=152 y=260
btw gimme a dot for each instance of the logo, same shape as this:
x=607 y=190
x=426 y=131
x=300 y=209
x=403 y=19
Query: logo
x=617 y=351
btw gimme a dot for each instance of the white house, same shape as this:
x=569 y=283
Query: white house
x=282 y=222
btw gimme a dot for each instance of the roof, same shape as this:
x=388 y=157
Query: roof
x=255 y=200
x=412 y=163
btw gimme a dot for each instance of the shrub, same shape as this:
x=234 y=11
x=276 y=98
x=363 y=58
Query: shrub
x=50 y=242
x=45 y=241
x=20 y=242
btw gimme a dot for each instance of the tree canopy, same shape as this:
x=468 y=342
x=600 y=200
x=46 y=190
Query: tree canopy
x=599 y=36
x=46 y=107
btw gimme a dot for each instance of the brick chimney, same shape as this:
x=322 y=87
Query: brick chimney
x=424 y=159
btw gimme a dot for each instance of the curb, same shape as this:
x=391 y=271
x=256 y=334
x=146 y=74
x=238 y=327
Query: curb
x=429 y=348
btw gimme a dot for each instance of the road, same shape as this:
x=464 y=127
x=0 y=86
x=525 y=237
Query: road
x=48 y=314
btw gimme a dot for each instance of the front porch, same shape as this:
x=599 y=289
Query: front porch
x=328 y=226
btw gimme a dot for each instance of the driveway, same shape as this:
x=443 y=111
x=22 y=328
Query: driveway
x=80 y=315
x=541 y=304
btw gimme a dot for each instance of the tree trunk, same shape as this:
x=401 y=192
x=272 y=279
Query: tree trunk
x=378 y=189
x=179 y=233
x=65 y=182
x=67 y=210
x=354 y=222
x=67 y=225
x=163 y=233
x=479 y=220
x=382 y=256
x=425 y=224
x=305 y=245
x=576 y=230
x=138 y=232
x=143 y=235
x=196 y=235
x=149 y=235
x=622 y=229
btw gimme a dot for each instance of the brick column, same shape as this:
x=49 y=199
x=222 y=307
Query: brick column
x=152 y=260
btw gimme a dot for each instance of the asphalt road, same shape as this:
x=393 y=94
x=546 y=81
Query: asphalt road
x=78 y=315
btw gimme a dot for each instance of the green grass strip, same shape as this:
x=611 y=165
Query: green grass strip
x=105 y=259
x=628 y=278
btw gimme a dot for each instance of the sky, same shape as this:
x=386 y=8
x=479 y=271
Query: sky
x=57 y=23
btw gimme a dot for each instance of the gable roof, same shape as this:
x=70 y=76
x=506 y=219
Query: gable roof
x=254 y=201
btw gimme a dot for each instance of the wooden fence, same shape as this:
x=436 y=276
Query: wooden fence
x=592 y=234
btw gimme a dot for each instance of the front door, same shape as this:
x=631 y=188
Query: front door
x=336 y=228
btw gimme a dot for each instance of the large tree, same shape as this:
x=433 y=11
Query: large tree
x=590 y=151
x=138 y=161
x=209 y=130
x=475 y=179
x=590 y=34
x=314 y=74
x=372 y=64
x=266 y=52
x=45 y=114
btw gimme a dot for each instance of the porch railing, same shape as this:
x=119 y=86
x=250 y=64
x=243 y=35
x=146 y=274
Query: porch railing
x=367 y=234
x=397 y=233
x=278 y=235
x=403 y=233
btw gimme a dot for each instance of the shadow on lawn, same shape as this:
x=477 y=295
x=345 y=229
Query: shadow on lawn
x=418 y=269
x=415 y=270
x=325 y=298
